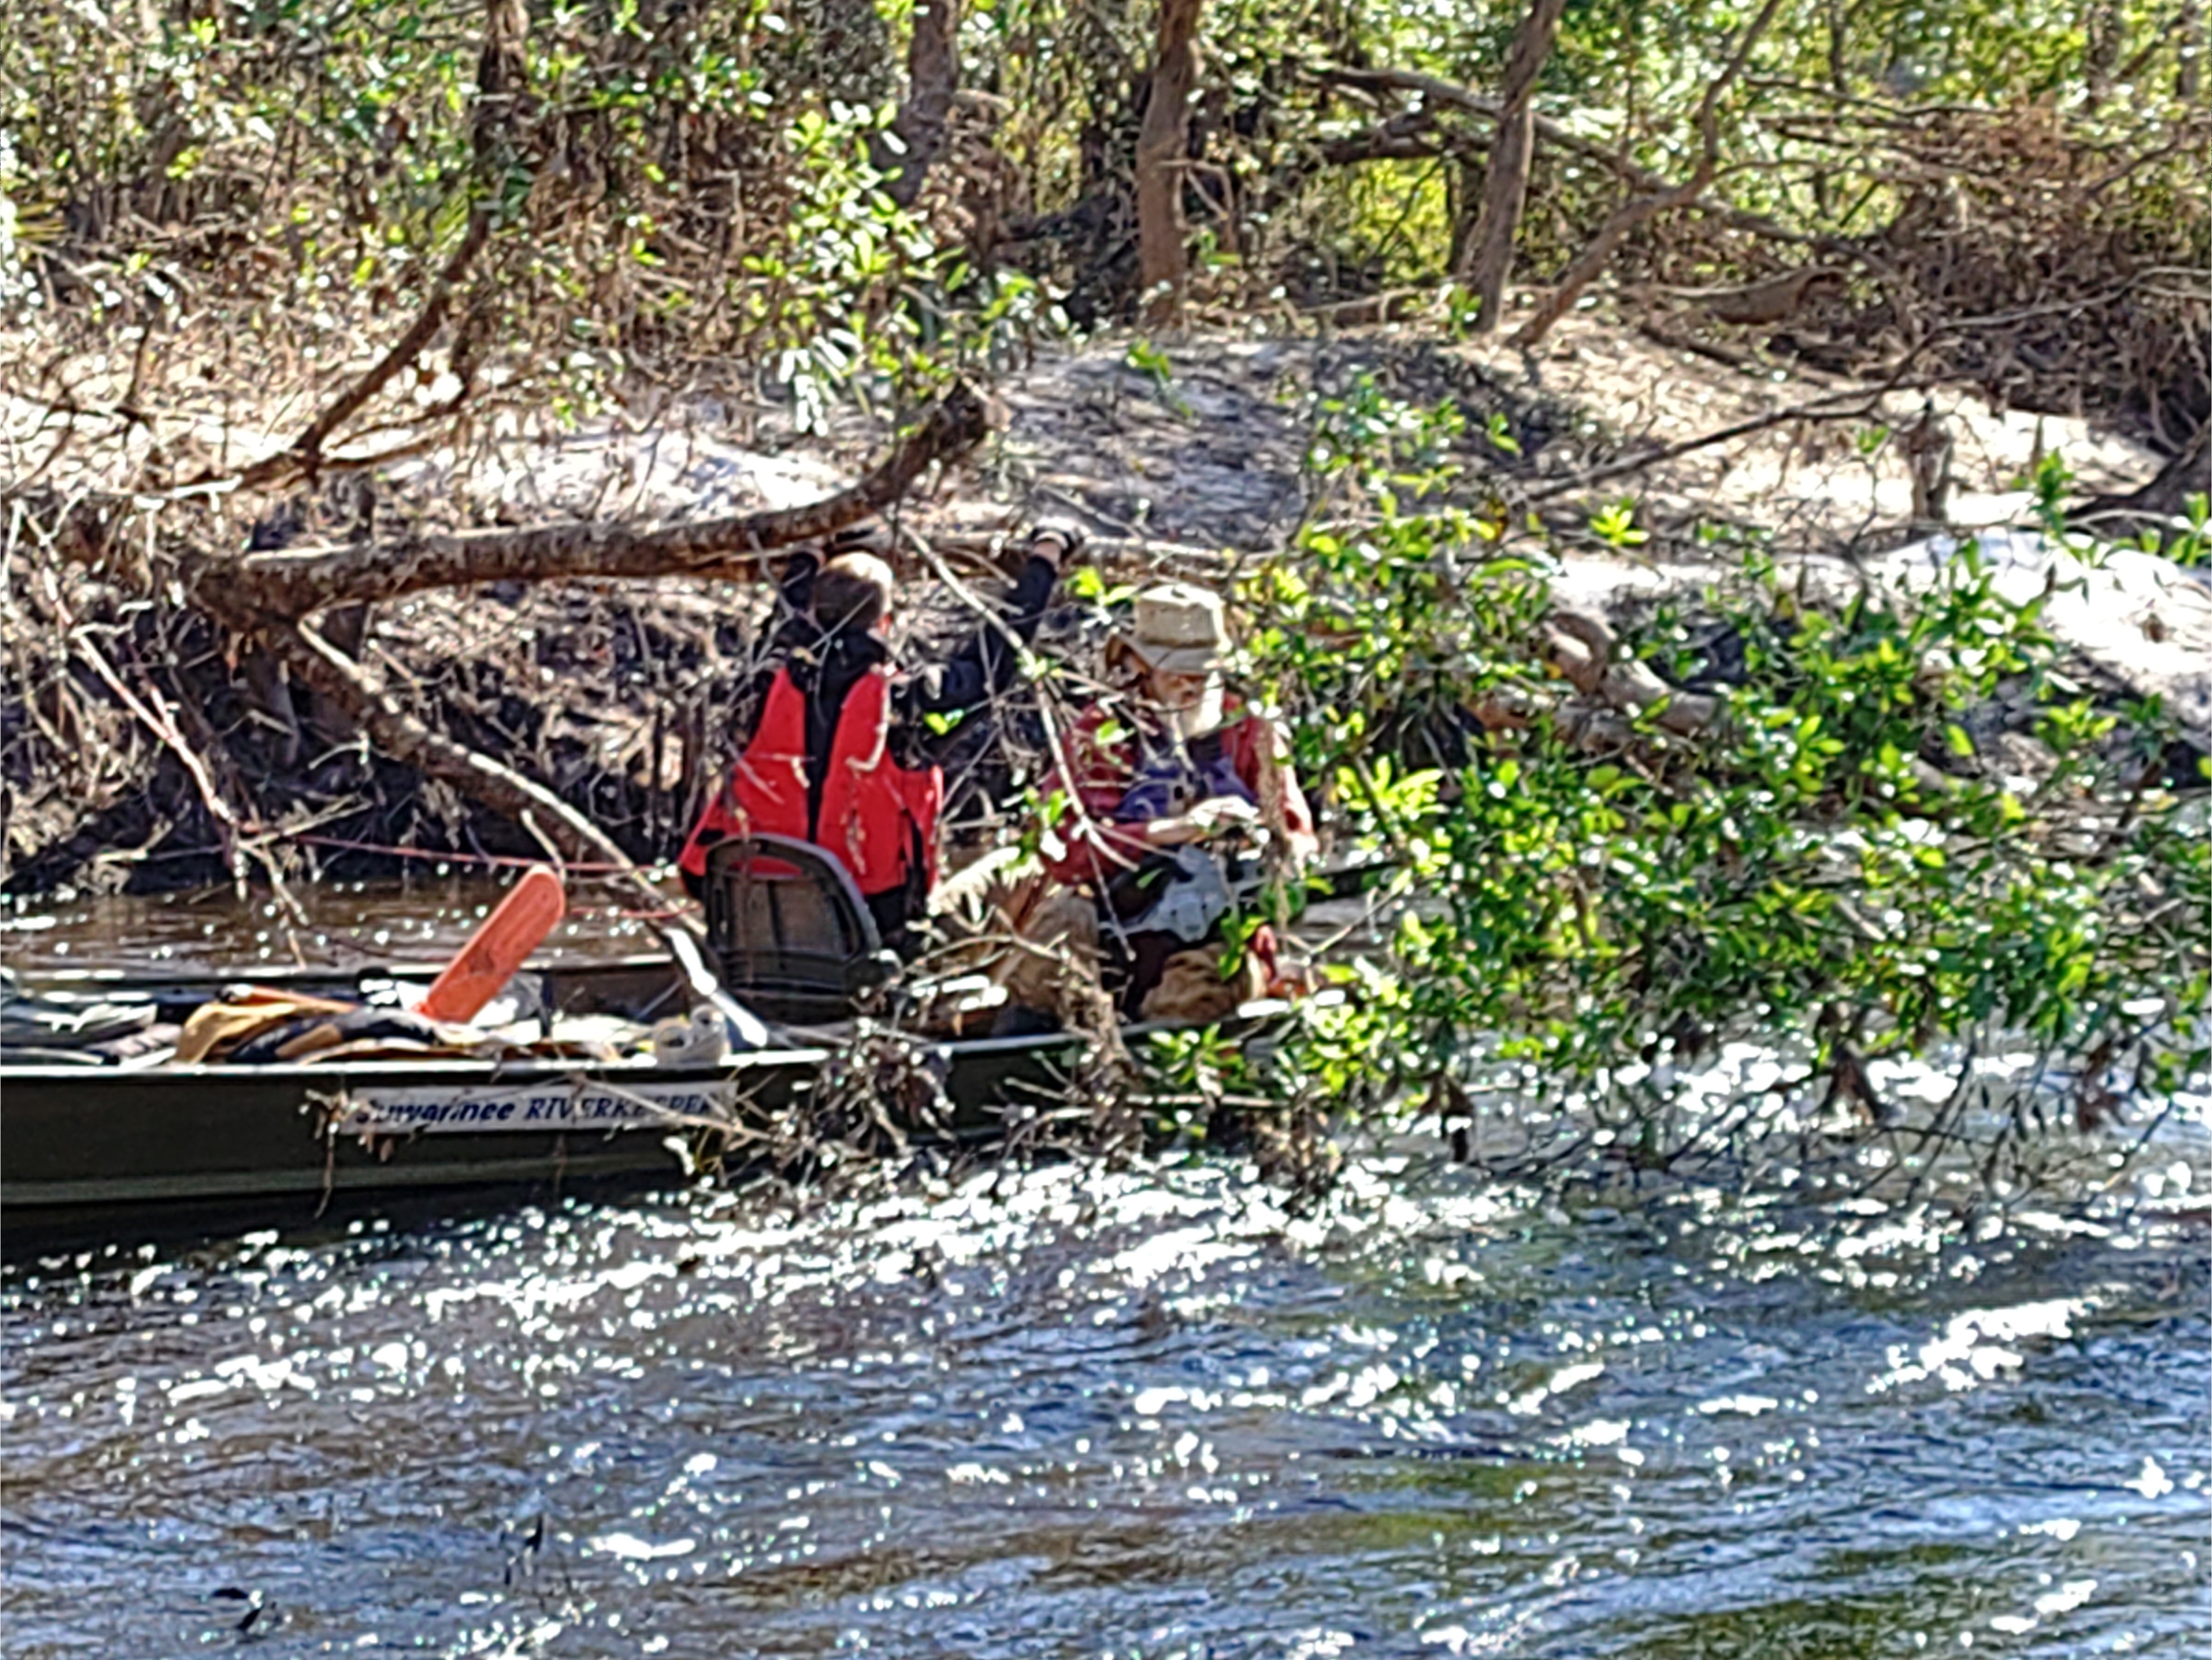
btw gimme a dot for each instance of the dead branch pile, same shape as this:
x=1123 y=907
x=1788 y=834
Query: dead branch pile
x=144 y=746
x=2064 y=277
x=2055 y=274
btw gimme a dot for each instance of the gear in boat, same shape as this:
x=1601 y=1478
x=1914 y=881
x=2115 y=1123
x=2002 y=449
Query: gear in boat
x=48 y=1030
x=791 y=952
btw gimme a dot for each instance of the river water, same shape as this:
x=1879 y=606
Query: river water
x=1144 y=1412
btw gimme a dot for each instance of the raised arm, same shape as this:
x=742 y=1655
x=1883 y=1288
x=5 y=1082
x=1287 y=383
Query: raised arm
x=984 y=666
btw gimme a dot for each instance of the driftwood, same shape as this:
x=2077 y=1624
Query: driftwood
x=1616 y=701
x=1584 y=649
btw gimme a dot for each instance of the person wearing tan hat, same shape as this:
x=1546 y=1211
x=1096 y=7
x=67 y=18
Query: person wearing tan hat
x=841 y=747
x=1146 y=873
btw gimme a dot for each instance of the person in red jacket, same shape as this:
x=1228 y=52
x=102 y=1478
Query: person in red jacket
x=841 y=747
x=1143 y=862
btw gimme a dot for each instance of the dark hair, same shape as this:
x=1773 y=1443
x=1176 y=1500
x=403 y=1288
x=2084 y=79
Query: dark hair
x=853 y=592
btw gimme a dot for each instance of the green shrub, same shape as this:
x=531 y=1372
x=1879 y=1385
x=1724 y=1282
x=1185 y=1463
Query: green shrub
x=1834 y=871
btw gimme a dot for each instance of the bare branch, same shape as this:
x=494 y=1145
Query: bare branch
x=502 y=75
x=152 y=715
x=1593 y=260
x=1437 y=92
x=361 y=695
x=1838 y=406
x=303 y=453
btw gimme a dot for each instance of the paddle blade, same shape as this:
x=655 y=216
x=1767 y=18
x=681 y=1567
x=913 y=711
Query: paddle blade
x=497 y=949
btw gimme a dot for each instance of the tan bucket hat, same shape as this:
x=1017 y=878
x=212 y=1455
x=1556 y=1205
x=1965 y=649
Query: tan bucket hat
x=1177 y=629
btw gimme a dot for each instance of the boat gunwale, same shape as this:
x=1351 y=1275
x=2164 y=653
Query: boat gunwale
x=186 y=975
x=523 y=1069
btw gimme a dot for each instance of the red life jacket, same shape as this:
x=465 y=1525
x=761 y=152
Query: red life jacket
x=874 y=812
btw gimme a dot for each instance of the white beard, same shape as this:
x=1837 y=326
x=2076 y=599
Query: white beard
x=1199 y=717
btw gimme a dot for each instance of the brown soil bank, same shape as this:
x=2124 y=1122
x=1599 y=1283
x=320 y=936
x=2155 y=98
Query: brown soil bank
x=144 y=746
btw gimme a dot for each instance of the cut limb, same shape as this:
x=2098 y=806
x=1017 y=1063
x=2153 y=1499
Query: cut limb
x=265 y=589
x=1161 y=144
x=1505 y=179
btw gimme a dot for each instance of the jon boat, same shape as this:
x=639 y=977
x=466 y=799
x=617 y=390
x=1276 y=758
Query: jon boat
x=93 y=1151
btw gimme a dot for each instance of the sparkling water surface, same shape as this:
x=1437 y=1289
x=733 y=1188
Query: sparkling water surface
x=1082 y=1412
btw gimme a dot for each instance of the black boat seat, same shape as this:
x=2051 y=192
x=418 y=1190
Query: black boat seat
x=788 y=931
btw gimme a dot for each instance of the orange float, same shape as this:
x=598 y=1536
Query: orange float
x=497 y=949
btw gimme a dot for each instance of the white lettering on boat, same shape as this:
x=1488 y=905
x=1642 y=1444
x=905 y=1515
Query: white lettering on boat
x=532 y=1108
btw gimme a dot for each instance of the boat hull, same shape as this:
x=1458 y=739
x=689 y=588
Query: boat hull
x=101 y=1150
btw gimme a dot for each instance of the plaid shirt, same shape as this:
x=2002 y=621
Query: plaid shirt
x=1117 y=787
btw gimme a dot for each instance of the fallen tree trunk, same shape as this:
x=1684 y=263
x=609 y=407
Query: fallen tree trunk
x=261 y=590
x=277 y=596
x=357 y=695
x=405 y=739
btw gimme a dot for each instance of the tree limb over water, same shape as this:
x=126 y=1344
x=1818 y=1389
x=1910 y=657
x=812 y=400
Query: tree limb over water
x=293 y=583
x=276 y=596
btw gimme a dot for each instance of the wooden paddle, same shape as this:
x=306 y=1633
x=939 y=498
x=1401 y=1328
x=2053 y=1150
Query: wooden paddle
x=497 y=949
